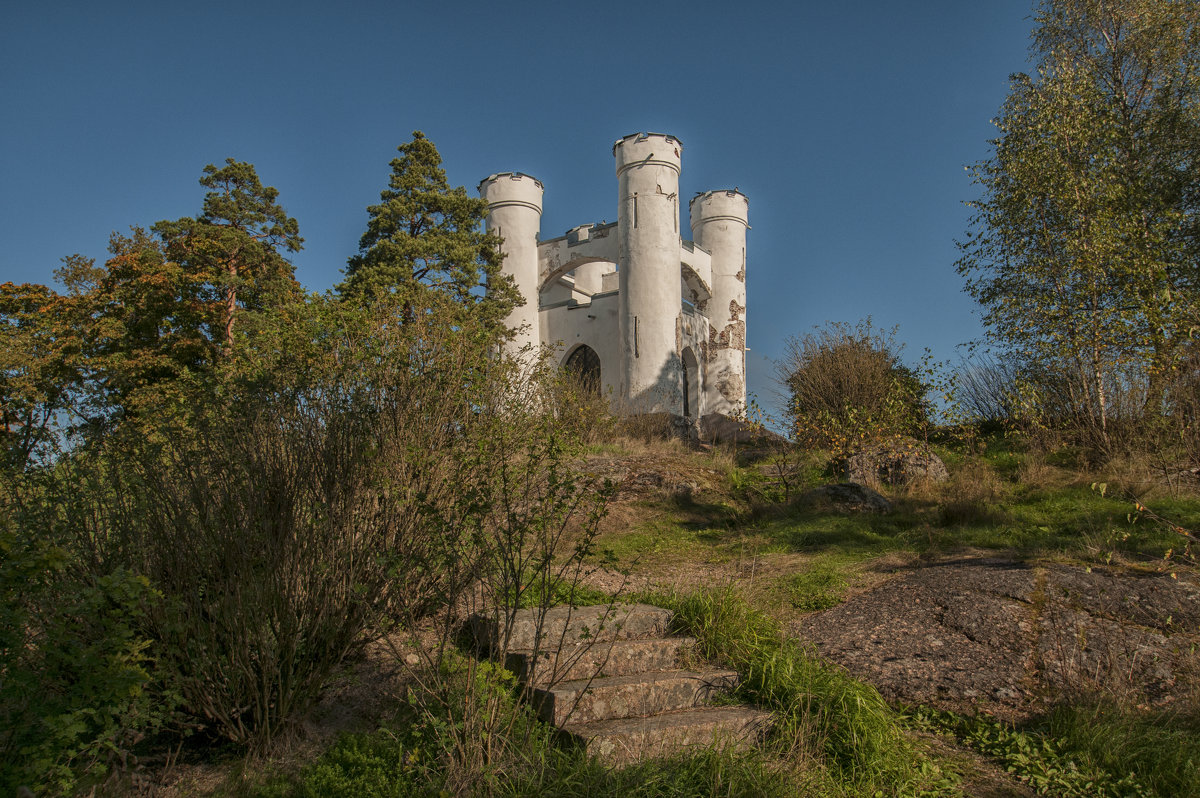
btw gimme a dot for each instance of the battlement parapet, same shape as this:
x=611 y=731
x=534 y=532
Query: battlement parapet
x=648 y=149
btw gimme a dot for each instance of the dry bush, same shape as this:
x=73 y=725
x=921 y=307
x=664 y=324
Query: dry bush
x=648 y=428
x=1146 y=475
x=1129 y=413
x=987 y=389
x=847 y=387
x=1035 y=472
x=1064 y=404
x=302 y=509
x=576 y=404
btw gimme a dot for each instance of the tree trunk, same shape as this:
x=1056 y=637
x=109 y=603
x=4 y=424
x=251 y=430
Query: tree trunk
x=230 y=307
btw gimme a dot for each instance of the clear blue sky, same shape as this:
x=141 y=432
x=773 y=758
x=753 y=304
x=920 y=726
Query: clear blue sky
x=848 y=125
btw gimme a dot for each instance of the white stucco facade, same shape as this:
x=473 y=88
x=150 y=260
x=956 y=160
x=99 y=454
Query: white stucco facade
x=661 y=318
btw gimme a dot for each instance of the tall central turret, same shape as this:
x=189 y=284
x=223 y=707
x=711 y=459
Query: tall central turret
x=648 y=166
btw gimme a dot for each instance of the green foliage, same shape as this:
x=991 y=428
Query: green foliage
x=75 y=681
x=1051 y=768
x=857 y=732
x=302 y=504
x=40 y=370
x=848 y=388
x=1161 y=749
x=389 y=763
x=415 y=754
x=277 y=491
x=231 y=250
x=1082 y=250
x=821 y=585
x=410 y=758
x=128 y=337
x=551 y=590
x=145 y=328
x=744 y=481
x=424 y=237
x=335 y=476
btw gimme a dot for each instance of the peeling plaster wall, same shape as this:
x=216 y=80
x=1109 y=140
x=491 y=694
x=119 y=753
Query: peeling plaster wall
x=719 y=224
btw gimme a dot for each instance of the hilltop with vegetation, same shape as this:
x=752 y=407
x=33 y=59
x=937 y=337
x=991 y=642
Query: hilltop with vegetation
x=244 y=526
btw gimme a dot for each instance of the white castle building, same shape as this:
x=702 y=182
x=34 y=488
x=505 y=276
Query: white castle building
x=654 y=320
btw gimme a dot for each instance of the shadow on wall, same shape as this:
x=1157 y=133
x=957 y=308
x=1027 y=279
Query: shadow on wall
x=666 y=395
x=692 y=384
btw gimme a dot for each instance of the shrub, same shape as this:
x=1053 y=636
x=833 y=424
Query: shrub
x=345 y=477
x=340 y=478
x=75 y=674
x=846 y=386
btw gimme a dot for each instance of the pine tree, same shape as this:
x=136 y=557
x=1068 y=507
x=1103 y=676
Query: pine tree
x=425 y=244
x=234 y=245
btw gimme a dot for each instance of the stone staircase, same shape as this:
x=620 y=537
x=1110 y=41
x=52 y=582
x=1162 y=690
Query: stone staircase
x=611 y=678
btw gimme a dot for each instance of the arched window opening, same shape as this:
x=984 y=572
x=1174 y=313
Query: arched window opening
x=584 y=364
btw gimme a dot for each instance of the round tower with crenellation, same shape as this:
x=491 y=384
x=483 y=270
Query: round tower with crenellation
x=515 y=214
x=719 y=223
x=648 y=166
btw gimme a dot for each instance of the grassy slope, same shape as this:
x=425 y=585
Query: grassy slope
x=790 y=559
x=1000 y=501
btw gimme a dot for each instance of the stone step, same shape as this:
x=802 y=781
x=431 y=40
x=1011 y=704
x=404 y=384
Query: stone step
x=588 y=660
x=606 y=698
x=624 y=740
x=563 y=626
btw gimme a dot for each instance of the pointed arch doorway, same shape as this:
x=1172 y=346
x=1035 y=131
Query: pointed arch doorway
x=584 y=364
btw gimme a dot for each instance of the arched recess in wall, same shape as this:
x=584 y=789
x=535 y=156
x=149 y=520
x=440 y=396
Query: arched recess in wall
x=695 y=290
x=553 y=273
x=584 y=364
x=691 y=383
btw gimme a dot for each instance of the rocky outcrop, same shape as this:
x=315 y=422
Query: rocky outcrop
x=847 y=497
x=720 y=428
x=967 y=632
x=894 y=462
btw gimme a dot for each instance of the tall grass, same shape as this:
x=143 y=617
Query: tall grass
x=821 y=711
x=1162 y=749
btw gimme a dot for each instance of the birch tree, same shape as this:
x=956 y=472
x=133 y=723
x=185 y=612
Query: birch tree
x=1082 y=249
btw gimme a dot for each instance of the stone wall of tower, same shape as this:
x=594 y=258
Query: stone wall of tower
x=515 y=214
x=648 y=167
x=719 y=223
